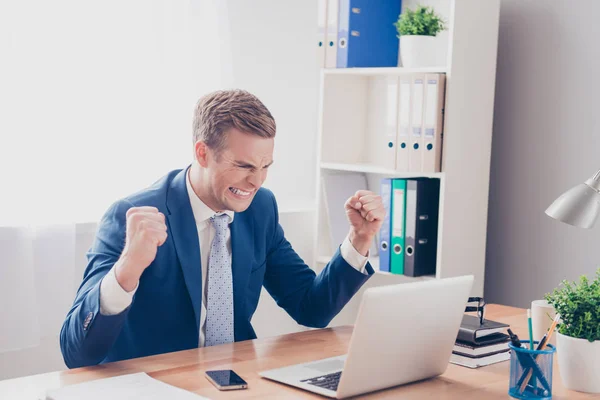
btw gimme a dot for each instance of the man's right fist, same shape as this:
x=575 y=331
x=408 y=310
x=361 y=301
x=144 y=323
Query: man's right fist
x=146 y=231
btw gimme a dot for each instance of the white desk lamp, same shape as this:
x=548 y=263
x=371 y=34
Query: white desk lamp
x=580 y=205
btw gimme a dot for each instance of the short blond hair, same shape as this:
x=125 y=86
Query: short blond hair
x=219 y=111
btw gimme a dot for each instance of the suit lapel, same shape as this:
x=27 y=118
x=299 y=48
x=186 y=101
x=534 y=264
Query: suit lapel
x=242 y=245
x=185 y=239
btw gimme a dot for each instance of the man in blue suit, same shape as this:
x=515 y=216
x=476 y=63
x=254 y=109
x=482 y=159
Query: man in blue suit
x=181 y=264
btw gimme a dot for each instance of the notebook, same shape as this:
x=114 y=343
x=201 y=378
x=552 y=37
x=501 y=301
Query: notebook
x=124 y=387
x=476 y=362
x=469 y=349
x=471 y=331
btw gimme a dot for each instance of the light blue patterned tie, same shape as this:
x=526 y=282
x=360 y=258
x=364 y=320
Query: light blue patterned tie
x=219 y=298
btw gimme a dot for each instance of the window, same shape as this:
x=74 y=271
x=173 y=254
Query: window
x=97 y=99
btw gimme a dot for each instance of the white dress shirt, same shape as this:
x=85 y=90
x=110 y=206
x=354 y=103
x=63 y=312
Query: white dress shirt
x=114 y=299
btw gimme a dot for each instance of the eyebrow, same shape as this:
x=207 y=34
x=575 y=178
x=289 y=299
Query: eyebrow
x=248 y=165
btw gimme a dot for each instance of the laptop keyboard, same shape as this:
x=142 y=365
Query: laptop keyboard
x=329 y=381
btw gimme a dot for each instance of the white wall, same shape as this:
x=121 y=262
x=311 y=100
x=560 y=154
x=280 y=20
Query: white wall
x=274 y=57
x=546 y=139
x=105 y=77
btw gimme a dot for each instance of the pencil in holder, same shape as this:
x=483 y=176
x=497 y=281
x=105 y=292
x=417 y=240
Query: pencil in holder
x=530 y=372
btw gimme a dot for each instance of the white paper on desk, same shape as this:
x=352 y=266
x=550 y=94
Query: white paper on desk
x=124 y=387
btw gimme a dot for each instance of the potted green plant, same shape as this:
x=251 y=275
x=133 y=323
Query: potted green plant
x=578 y=337
x=417 y=31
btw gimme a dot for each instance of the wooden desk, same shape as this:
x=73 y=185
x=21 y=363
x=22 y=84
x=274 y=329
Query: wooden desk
x=186 y=369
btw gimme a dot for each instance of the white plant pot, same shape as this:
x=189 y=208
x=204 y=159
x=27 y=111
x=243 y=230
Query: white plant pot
x=579 y=363
x=419 y=51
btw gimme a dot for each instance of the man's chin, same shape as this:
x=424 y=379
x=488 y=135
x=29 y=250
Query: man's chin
x=238 y=205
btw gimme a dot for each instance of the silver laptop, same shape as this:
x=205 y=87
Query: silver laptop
x=403 y=333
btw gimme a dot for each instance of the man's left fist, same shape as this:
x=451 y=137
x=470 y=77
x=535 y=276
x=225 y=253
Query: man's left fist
x=365 y=213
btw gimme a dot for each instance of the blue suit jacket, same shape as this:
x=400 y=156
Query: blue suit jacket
x=165 y=313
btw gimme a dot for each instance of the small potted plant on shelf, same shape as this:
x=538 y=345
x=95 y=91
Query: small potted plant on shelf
x=578 y=337
x=417 y=31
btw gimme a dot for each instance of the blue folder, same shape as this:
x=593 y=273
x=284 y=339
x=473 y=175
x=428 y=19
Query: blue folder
x=385 y=233
x=367 y=36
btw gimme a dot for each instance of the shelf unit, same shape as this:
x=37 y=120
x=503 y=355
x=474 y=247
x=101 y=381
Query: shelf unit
x=378 y=170
x=350 y=110
x=383 y=71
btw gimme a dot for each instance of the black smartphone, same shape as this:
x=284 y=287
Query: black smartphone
x=226 y=379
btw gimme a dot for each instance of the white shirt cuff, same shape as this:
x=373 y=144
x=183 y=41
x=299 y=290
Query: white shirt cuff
x=113 y=298
x=353 y=257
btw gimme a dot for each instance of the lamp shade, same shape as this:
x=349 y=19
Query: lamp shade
x=579 y=206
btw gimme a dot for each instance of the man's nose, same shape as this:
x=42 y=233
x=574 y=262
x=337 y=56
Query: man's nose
x=255 y=178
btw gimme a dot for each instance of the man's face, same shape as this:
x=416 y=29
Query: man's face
x=238 y=172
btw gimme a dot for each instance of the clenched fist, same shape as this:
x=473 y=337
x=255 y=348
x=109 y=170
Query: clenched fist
x=146 y=231
x=365 y=212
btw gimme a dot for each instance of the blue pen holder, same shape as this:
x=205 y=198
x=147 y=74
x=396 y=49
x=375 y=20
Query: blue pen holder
x=538 y=363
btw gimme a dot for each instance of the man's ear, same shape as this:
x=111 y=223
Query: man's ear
x=201 y=153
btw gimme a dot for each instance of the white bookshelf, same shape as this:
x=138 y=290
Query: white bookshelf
x=378 y=170
x=375 y=264
x=382 y=71
x=350 y=107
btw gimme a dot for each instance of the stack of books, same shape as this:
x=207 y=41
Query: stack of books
x=479 y=345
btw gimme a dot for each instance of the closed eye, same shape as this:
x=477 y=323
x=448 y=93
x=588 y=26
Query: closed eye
x=250 y=166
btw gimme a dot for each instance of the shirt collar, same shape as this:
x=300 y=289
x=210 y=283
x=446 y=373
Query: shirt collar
x=202 y=212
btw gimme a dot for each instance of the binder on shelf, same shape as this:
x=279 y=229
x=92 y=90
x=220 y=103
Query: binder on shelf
x=416 y=131
x=366 y=34
x=382 y=103
x=403 y=131
x=422 y=209
x=321 y=32
x=331 y=34
x=385 y=236
x=397 y=226
x=431 y=143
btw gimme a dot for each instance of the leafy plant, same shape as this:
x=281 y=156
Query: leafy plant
x=422 y=21
x=579 y=307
